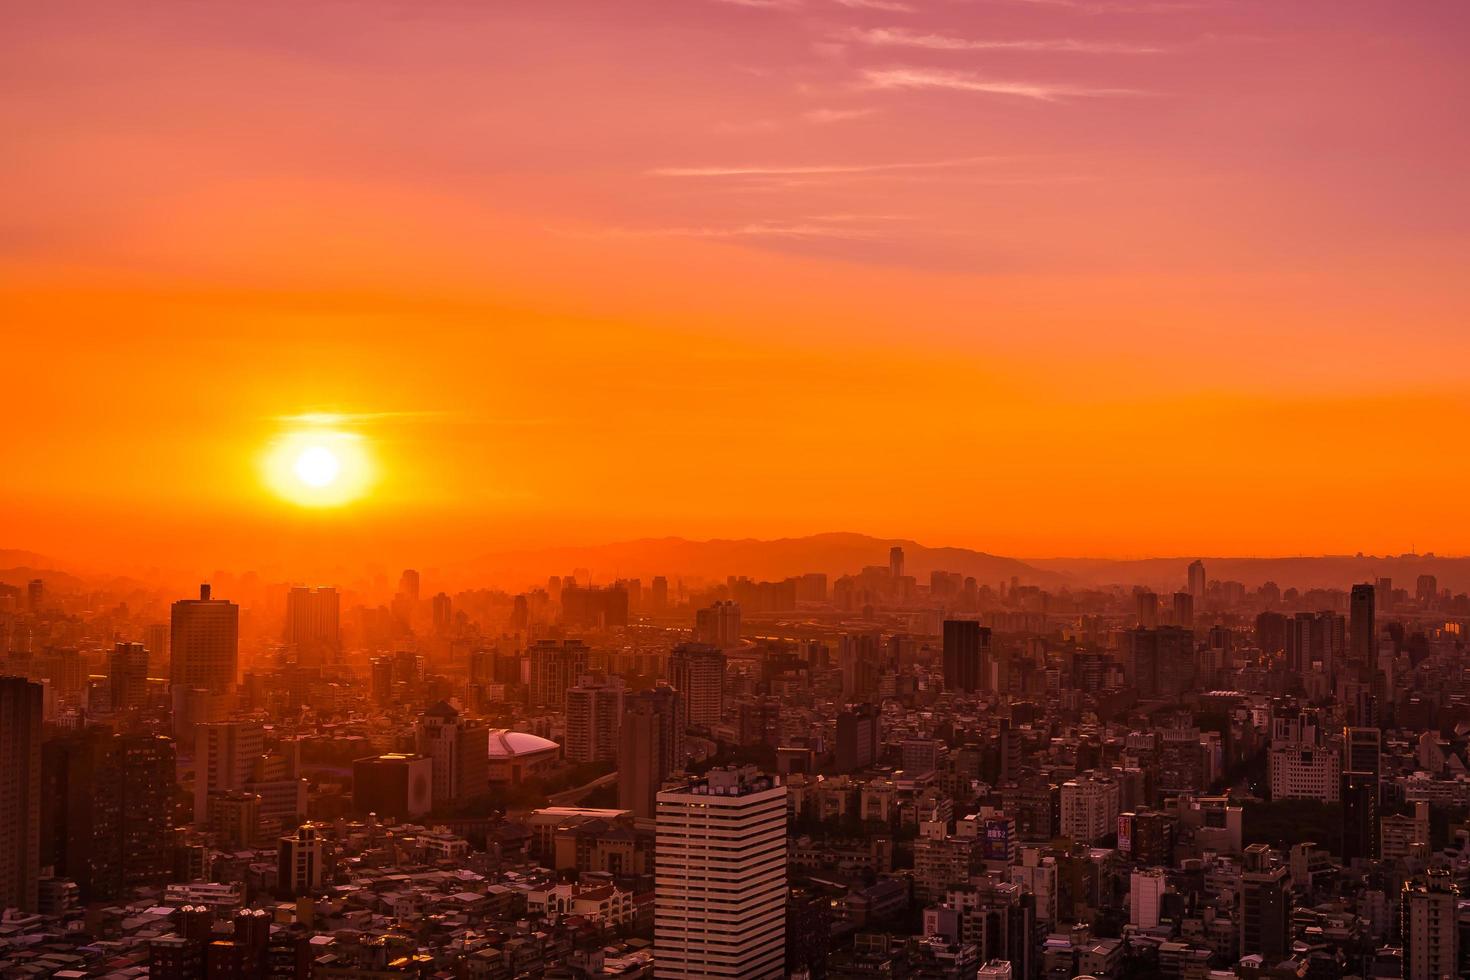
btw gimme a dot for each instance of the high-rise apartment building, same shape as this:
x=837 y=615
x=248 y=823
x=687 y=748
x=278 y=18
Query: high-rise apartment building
x=651 y=740
x=127 y=676
x=594 y=717
x=108 y=811
x=1146 y=889
x=1427 y=924
x=204 y=637
x=1148 y=609
x=718 y=625
x=966 y=649
x=698 y=673
x=1360 y=823
x=1159 y=662
x=1197 y=580
x=1363 y=631
x=1184 y=610
x=555 y=667
x=313 y=624
x=460 y=750
x=720 y=884
x=225 y=754
x=1090 y=807
x=1265 y=905
x=857 y=737
x=300 y=860
x=20 y=793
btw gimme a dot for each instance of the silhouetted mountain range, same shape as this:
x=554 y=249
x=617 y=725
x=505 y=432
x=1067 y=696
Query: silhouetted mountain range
x=840 y=554
x=835 y=553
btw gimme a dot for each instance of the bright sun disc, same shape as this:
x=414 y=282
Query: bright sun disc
x=318 y=467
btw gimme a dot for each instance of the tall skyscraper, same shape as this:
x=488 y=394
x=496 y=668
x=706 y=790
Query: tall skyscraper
x=20 y=793
x=155 y=638
x=1363 y=631
x=698 y=673
x=1145 y=896
x=225 y=754
x=1159 y=662
x=1197 y=580
x=966 y=644
x=1427 y=923
x=313 y=624
x=594 y=716
x=1360 y=837
x=442 y=609
x=720 y=886
x=300 y=860
x=1148 y=609
x=555 y=667
x=408 y=585
x=127 y=676
x=718 y=625
x=108 y=811
x=857 y=737
x=204 y=637
x=895 y=563
x=460 y=750
x=651 y=741
x=1265 y=905
x=1184 y=610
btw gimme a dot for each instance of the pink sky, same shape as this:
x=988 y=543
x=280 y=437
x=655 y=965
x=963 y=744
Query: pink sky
x=1145 y=250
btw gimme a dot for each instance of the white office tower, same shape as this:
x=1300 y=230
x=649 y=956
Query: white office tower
x=1145 y=897
x=720 y=892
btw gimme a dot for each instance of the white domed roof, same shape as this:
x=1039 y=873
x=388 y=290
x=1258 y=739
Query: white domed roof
x=504 y=742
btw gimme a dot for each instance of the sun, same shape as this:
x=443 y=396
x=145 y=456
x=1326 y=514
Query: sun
x=318 y=466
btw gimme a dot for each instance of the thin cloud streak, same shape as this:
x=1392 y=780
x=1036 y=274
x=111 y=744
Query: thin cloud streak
x=888 y=6
x=825 y=116
x=762 y=4
x=919 y=79
x=902 y=37
x=818 y=169
x=754 y=229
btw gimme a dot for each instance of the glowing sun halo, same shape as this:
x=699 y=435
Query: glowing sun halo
x=318 y=467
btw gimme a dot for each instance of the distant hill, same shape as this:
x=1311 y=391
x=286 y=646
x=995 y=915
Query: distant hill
x=835 y=554
x=1306 y=572
x=53 y=579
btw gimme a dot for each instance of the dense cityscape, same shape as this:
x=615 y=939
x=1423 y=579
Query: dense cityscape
x=873 y=774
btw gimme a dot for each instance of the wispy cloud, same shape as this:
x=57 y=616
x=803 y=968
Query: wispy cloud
x=903 y=37
x=1117 y=6
x=825 y=116
x=328 y=419
x=889 y=6
x=807 y=170
x=753 y=229
x=763 y=4
x=961 y=81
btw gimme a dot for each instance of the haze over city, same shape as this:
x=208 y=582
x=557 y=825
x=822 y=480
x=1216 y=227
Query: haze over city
x=741 y=489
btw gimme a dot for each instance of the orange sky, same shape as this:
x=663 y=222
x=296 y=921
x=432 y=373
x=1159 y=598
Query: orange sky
x=1034 y=276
